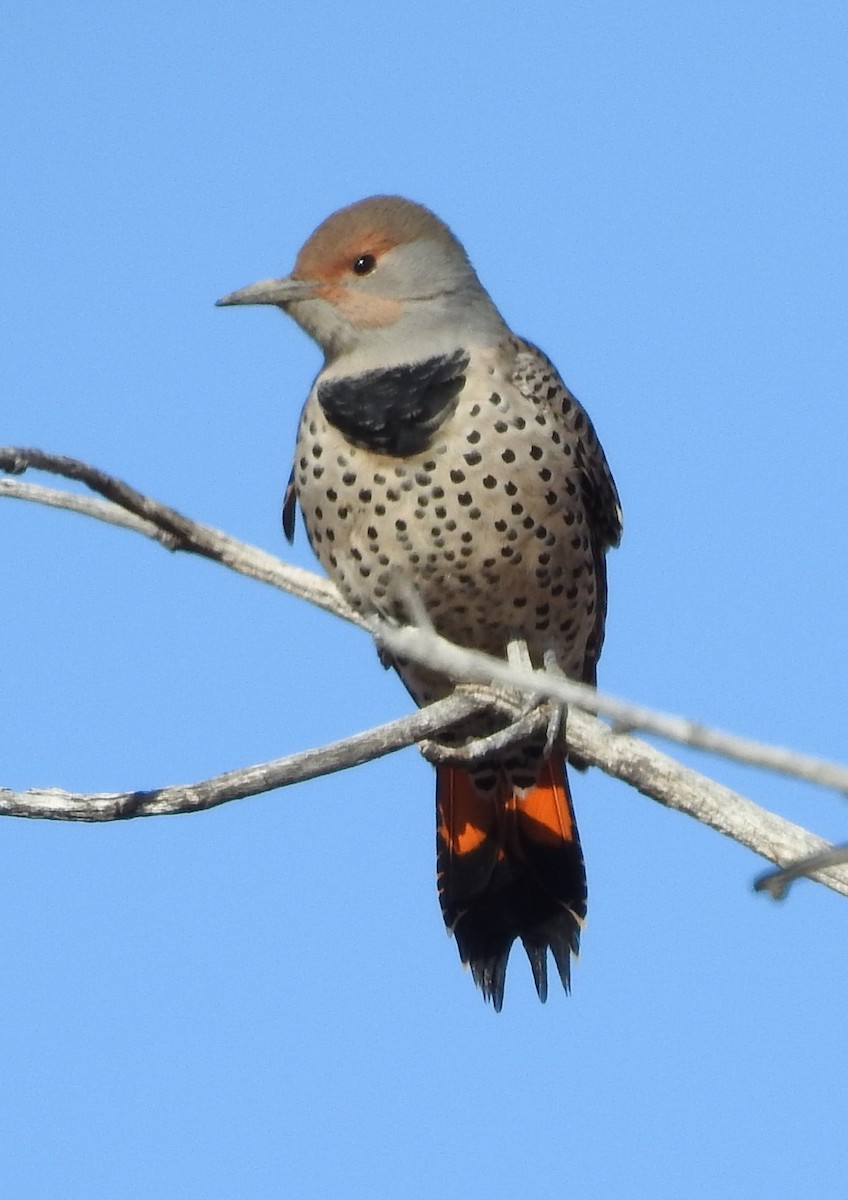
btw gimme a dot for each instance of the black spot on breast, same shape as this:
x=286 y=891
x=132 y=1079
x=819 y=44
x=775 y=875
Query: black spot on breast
x=398 y=410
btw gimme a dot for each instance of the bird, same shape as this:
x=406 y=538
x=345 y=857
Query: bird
x=441 y=457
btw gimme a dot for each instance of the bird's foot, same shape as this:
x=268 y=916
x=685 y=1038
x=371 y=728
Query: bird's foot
x=537 y=717
x=527 y=727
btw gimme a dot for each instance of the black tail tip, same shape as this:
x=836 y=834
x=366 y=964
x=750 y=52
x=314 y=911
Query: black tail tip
x=488 y=965
x=489 y=973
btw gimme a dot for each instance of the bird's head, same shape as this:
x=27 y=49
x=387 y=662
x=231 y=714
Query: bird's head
x=380 y=273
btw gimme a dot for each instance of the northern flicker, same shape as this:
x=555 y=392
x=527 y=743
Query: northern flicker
x=440 y=455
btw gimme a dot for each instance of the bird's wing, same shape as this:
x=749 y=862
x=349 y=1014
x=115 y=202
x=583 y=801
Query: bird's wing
x=290 y=508
x=537 y=378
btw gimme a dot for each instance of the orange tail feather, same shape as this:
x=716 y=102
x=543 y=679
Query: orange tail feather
x=510 y=865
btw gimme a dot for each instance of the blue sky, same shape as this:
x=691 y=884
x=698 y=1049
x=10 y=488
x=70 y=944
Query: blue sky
x=261 y=1001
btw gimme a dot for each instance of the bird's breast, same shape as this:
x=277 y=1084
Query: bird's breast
x=485 y=523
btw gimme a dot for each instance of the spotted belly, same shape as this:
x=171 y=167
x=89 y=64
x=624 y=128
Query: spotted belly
x=485 y=526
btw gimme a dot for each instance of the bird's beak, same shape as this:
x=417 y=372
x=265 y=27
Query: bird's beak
x=271 y=291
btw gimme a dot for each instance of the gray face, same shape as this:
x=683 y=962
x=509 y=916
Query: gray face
x=408 y=306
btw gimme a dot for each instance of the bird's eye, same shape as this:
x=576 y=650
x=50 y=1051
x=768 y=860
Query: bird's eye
x=364 y=265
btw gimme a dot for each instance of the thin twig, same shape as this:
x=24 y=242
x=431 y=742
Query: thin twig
x=777 y=883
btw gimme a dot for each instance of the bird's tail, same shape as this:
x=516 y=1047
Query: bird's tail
x=510 y=865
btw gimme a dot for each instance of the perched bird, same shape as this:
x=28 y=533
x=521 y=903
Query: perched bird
x=441 y=455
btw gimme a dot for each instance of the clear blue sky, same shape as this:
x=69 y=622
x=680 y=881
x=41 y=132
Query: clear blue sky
x=261 y=1001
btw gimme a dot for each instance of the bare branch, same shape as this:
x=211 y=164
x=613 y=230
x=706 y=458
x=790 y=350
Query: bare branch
x=179 y=532
x=58 y=805
x=87 y=506
x=457 y=662
x=620 y=755
x=662 y=778
x=165 y=525
x=614 y=751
